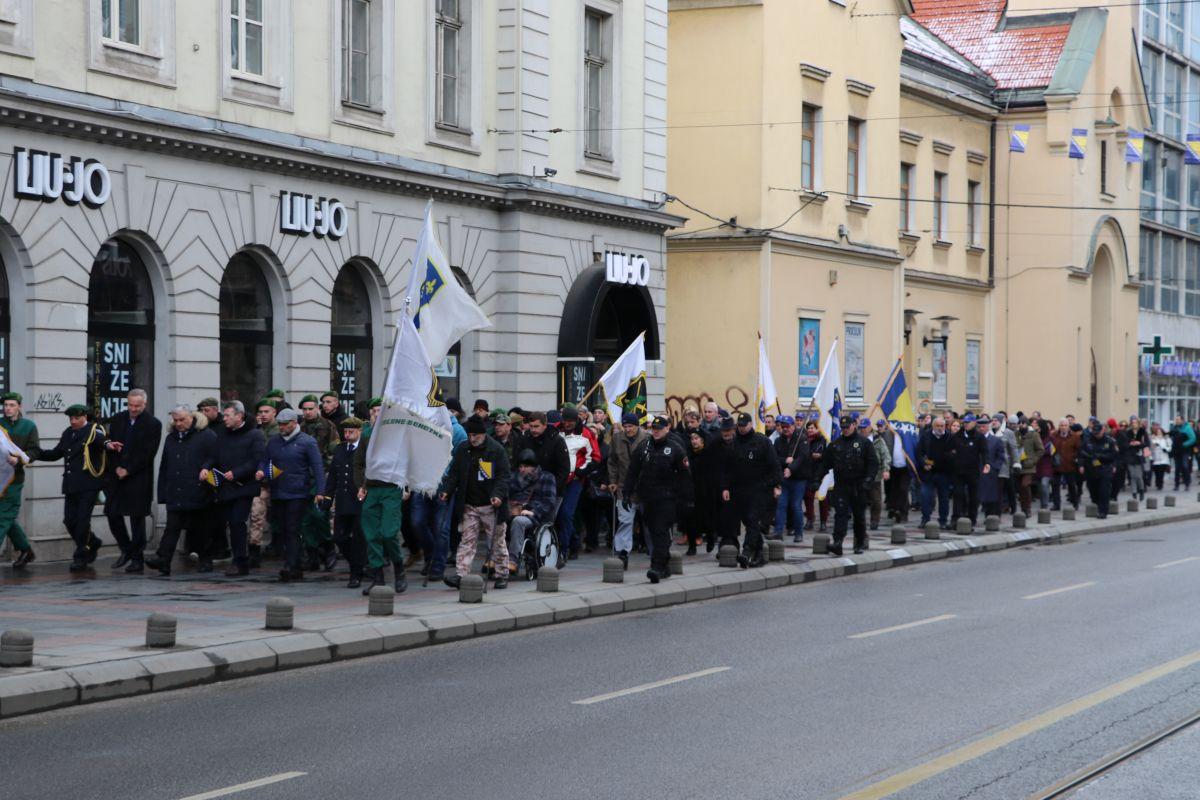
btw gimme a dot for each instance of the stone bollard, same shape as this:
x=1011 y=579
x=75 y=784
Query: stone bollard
x=160 y=630
x=1131 y=505
x=614 y=570
x=1169 y=501
x=16 y=648
x=991 y=523
x=1043 y=516
x=675 y=563
x=1151 y=503
x=727 y=556
x=1090 y=511
x=1018 y=520
x=1113 y=507
x=470 y=589
x=279 y=614
x=932 y=531
x=1068 y=514
x=547 y=580
x=381 y=602
x=775 y=550
x=821 y=544
x=962 y=526
x=899 y=535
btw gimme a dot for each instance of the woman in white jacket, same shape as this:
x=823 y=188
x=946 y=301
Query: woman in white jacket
x=1160 y=454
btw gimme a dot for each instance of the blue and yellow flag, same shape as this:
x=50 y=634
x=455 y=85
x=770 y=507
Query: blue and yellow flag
x=1192 y=154
x=896 y=404
x=1134 y=147
x=1078 y=148
x=214 y=478
x=1019 y=138
x=272 y=472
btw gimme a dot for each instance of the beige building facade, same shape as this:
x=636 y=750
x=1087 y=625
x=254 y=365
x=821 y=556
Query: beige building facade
x=865 y=154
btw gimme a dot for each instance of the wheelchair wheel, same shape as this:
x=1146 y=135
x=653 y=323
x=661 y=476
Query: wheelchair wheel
x=547 y=547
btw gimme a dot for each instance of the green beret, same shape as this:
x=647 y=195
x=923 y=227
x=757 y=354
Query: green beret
x=499 y=415
x=352 y=422
x=11 y=396
x=268 y=401
x=208 y=402
x=375 y=402
x=77 y=410
x=565 y=406
x=276 y=393
x=309 y=398
x=332 y=394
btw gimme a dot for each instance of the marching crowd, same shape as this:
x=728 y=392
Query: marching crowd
x=275 y=481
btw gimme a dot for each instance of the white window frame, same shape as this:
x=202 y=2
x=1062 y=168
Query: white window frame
x=273 y=88
x=941 y=183
x=460 y=26
x=349 y=51
x=464 y=137
x=151 y=60
x=974 y=214
x=379 y=113
x=244 y=22
x=606 y=162
x=113 y=34
x=906 y=201
x=17 y=19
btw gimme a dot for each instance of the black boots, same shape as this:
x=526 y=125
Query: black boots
x=161 y=564
x=376 y=576
x=24 y=558
x=255 y=551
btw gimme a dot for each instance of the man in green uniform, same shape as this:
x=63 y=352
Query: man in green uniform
x=373 y=407
x=24 y=434
x=380 y=521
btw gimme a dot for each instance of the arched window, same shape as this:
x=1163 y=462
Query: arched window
x=350 y=342
x=247 y=331
x=5 y=331
x=120 y=328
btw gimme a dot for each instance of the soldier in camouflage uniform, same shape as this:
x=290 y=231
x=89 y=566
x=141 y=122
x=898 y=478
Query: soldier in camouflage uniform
x=265 y=411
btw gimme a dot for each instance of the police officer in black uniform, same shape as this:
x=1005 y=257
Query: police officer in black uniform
x=81 y=448
x=1097 y=453
x=754 y=486
x=968 y=448
x=659 y=479
x=852 y=458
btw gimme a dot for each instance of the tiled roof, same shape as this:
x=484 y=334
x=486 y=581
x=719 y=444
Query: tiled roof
x=923 y=43
x=1022 y=57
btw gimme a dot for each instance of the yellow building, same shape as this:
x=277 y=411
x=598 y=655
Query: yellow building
x=847 y=174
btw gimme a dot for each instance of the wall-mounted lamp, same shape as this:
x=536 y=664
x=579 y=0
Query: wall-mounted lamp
x=944 y=330
x=910 y=322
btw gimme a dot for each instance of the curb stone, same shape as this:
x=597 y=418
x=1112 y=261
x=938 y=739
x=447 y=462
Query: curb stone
x=30 y=692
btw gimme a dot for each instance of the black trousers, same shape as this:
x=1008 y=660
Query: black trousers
x=131 y=546
x=753 y=507
x=1160 y=472
x=286 y=516
x=1118 y=483
x=1100 y=489
x=658 y=516
x=850 y=501
x=348 y=536
x=897 y=492
x=195 y=522
x=966 y=497
x=237 y=513
x=1072 y=481
x=214 y=532
x=77 y=517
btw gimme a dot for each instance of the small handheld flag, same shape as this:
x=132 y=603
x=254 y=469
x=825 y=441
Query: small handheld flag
x=272 y=471
x=214 y=478
x=1079 y=142
x=1019 y=139
x=1134 y=147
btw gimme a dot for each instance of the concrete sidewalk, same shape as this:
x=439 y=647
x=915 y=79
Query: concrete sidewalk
x=89 y=629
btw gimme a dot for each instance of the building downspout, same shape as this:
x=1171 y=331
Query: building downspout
x=992 y=208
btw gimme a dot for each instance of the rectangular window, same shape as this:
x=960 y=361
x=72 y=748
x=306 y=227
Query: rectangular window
x=939 y=206
x=1174 y=20
x=1152 y=77
x=1172 y=185
x=1194 y=43
x=246 y=36
x=1104 y=167
x=1146 y=269
x=1191 y=286
x=449 y=36
x=356 y=52
x=1193 y=108
x=597 y=68
x=1171 y=122
x=1193 y=193
x=808 y=147
x=1168 y=275
x=973 y=349
x=939 y=372
x=906 y=171
x=853 y=151
x=1150 y=19
x=120 y=21
x=974 y=195
x=855 y=360
x=1150 y=168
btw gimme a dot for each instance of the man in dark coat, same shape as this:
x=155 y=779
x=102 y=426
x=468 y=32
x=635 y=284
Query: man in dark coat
x=188 y=453
x=296 y=474
x=549 y=447
x=991 y=484
x=133 y=439
x=935 y=462
x=754 y=487
x=81 y=449
x=240 y=449
x=658 y=478
x=1098 y=452
x=968 y=466
x=855 y=467
x=791 y=447
x=347 y=507
x=477 y=480
x=331 y=408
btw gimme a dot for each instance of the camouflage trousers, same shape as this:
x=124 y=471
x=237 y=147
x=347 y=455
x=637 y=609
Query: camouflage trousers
x=480 y=522
x=259 y=518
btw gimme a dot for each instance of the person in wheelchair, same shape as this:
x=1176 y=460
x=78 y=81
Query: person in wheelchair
x=532 y=500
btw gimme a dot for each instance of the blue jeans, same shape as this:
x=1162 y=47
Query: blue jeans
x=565 y=522
x=431 y=524
x=790 y=505
x=934 y=482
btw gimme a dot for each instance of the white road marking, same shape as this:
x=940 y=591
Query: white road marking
x=245 y=787
x=905 y=626
x=1180 y=561
x=645 y=687
x=1070 y=588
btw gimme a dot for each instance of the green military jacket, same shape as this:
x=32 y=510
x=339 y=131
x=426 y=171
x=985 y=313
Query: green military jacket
x=325 y=432
x=24 y=434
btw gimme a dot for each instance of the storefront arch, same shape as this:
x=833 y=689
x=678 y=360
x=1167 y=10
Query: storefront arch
x=600 y=319
x=13 y=262
x=250 y=302
x=352 y=337
x=121 y=326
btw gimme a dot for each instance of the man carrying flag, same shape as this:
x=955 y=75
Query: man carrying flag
x=896 y=404
x=624 y=384
x=766 y=398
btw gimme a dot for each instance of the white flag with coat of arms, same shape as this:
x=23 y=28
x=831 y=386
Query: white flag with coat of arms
x=441 y=310
x=7 y=470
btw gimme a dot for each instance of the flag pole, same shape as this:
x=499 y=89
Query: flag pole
x=891 y=378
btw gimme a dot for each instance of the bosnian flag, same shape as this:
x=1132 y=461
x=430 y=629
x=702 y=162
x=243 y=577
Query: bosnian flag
x=766 y=398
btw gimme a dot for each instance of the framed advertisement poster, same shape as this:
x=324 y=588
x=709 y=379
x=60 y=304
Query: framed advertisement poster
x=939 y=372
x=973 y=370
x=810 y=357
x=855 y=363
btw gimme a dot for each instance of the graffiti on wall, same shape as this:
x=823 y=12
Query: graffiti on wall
x=735 y=400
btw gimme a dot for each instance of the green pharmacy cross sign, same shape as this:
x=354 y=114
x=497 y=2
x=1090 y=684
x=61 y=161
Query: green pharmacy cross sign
x=1157 y=350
